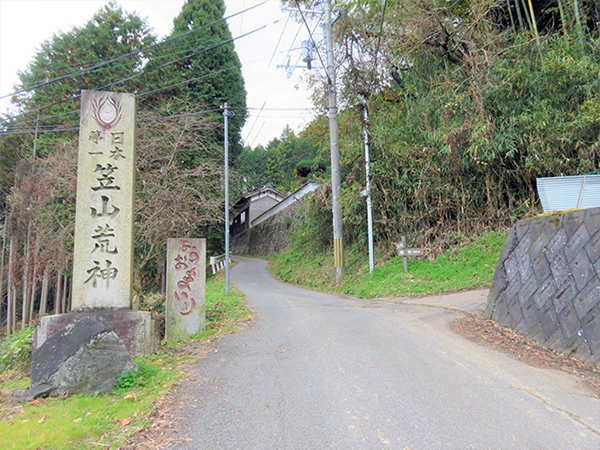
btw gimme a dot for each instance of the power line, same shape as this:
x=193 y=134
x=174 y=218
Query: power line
x=379 y=38
x=147 y=71
x=279 y=40
x=259 y=130
x=191 y=80
x=127 y=55
x=73 y=128
x=255 y=120
x=57 y=129
x=312 y=39
x=154 y=91
x=161 y=66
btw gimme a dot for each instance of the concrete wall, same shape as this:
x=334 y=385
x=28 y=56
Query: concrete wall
x=270 y=236
x=299 y=193
x=547 y=283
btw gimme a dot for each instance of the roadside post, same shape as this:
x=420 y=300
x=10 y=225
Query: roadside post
x=405 y=252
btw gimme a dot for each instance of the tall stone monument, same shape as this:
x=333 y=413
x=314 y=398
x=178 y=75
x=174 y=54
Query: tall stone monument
x=103 y=260
x=186 y=287
x=86 y=349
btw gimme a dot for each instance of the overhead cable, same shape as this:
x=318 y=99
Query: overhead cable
x=75 y=97
x=127 y=55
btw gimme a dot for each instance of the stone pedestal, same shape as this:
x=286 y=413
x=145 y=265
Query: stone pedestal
x=137 y=329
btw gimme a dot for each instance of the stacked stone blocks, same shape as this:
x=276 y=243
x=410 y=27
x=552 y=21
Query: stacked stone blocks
x=547 y=283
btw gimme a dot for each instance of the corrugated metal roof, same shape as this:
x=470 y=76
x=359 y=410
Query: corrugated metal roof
x=560 y=193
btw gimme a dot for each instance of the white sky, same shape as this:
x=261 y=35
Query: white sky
x=25 y=24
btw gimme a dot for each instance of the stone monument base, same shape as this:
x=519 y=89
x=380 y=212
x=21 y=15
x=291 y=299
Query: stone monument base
x=137 y=329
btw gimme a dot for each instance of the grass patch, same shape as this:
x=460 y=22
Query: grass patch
x=80 y=421
x=107 y=420
x=467 y=267
x=224 y=312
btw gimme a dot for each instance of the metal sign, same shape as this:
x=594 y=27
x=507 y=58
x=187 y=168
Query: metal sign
x=404 y=252
x=411 y=252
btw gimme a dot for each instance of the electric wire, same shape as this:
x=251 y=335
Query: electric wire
x=312 y=39
x=76 y=112
x=75 y=97
x=255 y=120
x=294 y=40
x=279 y=40
x=161 y=66
x=103 y=63
x=191 y=80
x=260 y=129
x=56 y=128
x=379 y=38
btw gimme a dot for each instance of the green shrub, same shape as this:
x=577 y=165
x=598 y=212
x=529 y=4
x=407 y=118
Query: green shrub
x=15 y=350
x=135 y=378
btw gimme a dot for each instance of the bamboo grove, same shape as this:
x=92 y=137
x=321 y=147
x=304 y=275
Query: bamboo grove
x=179 y=151
x=470 y=102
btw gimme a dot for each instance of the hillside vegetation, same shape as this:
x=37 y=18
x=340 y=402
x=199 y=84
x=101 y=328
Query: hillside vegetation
x=469 y=102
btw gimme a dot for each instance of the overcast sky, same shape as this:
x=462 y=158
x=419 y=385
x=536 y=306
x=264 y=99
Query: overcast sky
x=25 y=24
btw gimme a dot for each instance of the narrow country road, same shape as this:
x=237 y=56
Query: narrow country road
x=322 y=371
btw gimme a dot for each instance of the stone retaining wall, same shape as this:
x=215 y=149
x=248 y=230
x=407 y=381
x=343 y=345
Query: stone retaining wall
x=270 y=236
x=547 y=283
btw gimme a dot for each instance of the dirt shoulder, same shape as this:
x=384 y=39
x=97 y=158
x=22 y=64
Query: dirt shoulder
x=479 y=329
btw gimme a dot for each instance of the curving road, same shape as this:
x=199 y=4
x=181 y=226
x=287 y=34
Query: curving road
x=322 y=371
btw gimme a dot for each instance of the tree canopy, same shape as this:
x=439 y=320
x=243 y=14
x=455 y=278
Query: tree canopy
x=208 y=70
x=180 y=164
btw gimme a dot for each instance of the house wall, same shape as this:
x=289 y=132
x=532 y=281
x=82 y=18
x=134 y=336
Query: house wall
x=270 y=236
x=547 y=283
x=261 y=203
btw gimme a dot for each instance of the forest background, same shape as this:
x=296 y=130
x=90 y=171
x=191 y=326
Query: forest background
x=470 y=101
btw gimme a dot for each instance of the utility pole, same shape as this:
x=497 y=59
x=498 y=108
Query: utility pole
x=338 y=244
x=226 y=142
x=368 y=184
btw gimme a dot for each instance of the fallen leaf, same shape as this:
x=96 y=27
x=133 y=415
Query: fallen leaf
x=88 y=414
x=126 y=422
x=25 y=420
x=44 y=417
x=34 y=402
x=131 y=395
x=77 y=420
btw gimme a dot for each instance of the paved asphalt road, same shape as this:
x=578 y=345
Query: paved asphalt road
x=321 y=371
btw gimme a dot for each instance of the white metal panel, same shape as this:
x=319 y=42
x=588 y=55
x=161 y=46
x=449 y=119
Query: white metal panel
x=560 y=193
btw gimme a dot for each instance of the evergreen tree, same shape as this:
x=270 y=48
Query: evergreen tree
x=207 y=73
x=110 y=33
x=251 y=164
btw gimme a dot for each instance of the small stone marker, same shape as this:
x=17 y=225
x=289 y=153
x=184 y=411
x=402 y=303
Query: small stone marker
x=103 y=260
x=186 y=287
